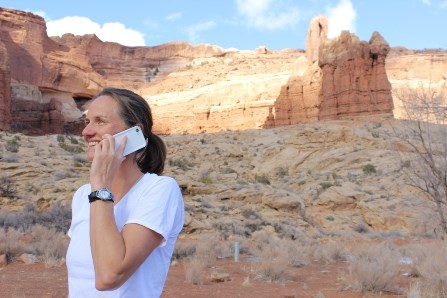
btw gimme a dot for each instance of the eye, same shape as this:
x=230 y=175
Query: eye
x=99 y=121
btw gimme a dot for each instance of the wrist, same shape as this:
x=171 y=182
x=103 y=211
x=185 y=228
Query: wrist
x=102 y=194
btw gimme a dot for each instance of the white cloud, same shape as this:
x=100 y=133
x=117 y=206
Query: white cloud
x=268 y=14
x=342 y=17
x=115 y=32
x=173 y=16
x=193 y=31
x=443 y=4
x=426 y=2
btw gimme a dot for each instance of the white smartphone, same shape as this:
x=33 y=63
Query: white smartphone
x=135 y=139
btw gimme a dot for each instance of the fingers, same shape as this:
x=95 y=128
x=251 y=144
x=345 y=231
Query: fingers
x=121 y=146
x=108 y=146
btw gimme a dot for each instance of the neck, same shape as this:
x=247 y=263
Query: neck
x=127 y=176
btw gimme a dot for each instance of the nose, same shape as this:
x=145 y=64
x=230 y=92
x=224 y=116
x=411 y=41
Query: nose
x=87 y=131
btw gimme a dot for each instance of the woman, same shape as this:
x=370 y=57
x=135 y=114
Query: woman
x=122 y=238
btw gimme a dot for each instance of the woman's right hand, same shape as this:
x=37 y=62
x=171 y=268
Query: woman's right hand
x=106 y=162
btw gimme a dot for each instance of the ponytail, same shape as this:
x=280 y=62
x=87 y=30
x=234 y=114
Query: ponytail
x=152 y=158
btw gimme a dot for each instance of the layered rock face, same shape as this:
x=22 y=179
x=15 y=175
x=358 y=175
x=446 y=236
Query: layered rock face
x=354 y=77
x=417 y=75
x=345 y=77
x=5 y=90
x=191 y=89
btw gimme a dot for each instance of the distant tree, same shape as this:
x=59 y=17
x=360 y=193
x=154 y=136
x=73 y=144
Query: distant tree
x=425 y=133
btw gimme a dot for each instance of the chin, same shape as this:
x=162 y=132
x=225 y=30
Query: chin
x=90 y=154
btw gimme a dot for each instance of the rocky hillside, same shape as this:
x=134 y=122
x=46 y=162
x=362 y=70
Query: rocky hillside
x=327 y=159
x=335 y=176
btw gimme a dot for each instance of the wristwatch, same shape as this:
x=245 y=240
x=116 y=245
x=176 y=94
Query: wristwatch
x=103 y=194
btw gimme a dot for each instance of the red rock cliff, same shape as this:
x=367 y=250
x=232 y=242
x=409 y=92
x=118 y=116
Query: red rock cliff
x=191 y=88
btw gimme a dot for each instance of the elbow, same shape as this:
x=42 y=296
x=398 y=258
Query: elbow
x=107 y=282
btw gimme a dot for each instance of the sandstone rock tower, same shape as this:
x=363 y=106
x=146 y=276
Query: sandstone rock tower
x=344 y=76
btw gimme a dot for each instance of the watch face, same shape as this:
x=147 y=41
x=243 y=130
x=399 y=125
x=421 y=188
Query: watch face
x=103 y=194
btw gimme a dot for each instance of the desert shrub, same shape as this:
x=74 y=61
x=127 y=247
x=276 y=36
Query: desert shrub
x=183 y=250
x=270 y=248
x=228 y=171
x=194 y=271
x=250 y=214
x=45 y=243
x=181 y=163
x=12 y=145
x=60 y=138
x=206 y=252
x=262 y=179
x=71 y=148
x=427 y=290
x=373 y=268
x=10 y=242
x=281 y=172
x=73 y=140
x=299 y=252
x=329 y=217
x=79 y=160
x=331 y=252
x=206 y=179
x=429 y=261
x=273 y=261
x=261 y=238
x=369 y=169
x=57 y=217
x=38 y=233
x=7 y=188
x=325 y=185
x=48 y=243
x=241 y=230
x=361 y=228
x=288 y=230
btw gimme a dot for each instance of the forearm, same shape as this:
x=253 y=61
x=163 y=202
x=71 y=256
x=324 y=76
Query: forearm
x=107 y=245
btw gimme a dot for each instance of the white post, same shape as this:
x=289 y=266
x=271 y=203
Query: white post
x=236 y=251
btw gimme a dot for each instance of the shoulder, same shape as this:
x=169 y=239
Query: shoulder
x=156 y=180
x=160 y=187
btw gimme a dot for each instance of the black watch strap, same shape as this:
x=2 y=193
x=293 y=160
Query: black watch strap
x=103 y=194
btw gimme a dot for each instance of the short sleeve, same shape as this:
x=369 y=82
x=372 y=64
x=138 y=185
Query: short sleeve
x=159 y=207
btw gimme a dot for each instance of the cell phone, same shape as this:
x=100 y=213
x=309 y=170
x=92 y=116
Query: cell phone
x=135 y=139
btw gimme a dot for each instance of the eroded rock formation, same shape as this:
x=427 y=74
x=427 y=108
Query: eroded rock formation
x=354 y=76
x=45 y=81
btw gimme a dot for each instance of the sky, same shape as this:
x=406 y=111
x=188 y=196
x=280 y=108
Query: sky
x=242 y=24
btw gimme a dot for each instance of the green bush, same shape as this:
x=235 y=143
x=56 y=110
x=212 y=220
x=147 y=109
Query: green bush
x=181 y=163
x=12 y=145
x=369 y=169
x=262 y=179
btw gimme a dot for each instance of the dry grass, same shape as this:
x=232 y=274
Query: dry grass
x=194 y=271
x=429 y=262
x=373 y=268
x=46 y=243
x=206 y=252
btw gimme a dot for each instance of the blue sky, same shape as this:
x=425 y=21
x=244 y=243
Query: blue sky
x=242 y=24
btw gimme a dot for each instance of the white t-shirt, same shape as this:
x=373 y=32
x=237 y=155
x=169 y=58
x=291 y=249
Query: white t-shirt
x=155 y=202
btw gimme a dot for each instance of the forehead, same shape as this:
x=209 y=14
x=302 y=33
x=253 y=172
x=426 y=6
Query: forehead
x=103 y=105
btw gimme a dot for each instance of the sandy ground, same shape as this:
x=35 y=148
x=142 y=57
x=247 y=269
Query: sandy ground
x=313 y=280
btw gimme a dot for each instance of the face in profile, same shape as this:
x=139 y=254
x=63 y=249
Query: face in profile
x=102 y=117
